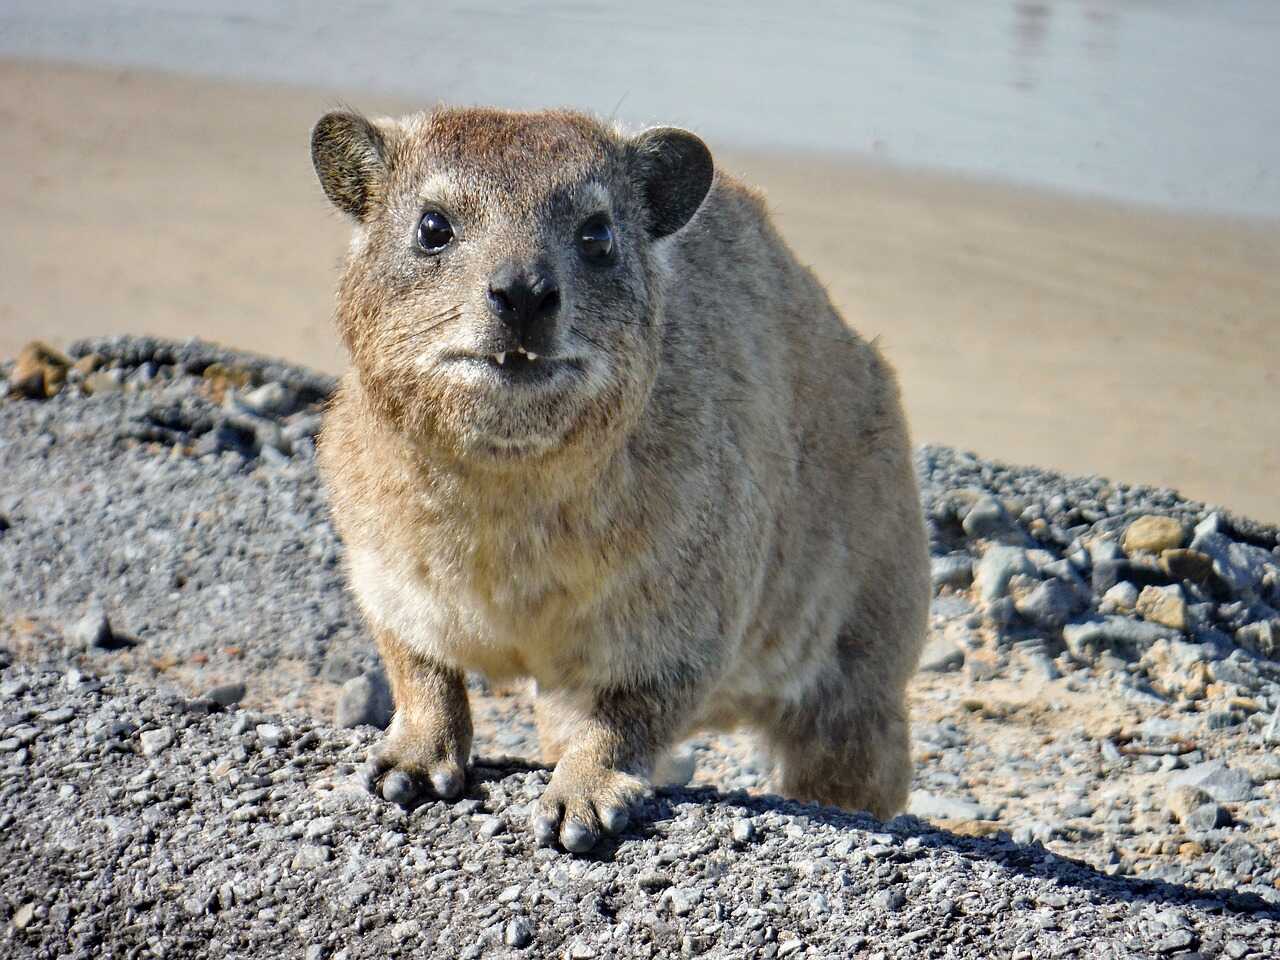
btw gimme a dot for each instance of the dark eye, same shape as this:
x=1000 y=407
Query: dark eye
x=434 y=231
x=595 y=239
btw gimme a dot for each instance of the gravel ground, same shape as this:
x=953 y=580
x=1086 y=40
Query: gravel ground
x=1096 y=722
x=137 y=823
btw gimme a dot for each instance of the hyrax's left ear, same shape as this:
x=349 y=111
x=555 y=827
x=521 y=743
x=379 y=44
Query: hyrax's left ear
x=350 y=157
x=674 y=171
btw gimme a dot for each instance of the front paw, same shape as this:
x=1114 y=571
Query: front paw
x=584 y=801
x=406 y=769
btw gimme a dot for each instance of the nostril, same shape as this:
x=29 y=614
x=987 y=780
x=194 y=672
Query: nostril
x=549 y=303
x=500 y=302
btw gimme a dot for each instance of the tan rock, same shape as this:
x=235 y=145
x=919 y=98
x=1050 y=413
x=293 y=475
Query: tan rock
x=87 y=364
x=101 y=382
x=1163 y=605
x=972 y=828
x=220 y=378
x=39 y=371
x=1187 y=565
x=1153 y=534
x=1196 y=685
x=1182 y=800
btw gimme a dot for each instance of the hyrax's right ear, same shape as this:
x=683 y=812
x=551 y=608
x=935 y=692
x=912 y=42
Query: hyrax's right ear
x=350 y=157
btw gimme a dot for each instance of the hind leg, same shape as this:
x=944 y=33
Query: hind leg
x=850 y=753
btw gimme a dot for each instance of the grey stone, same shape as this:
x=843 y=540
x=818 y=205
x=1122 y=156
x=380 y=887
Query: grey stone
x=1262 y=637
x=1121 y=598
x=270 y=400
x=226 y=694
x=931 y=806
x=310 y=856
x=339 y=667
x=653 y=880
x=406 y=930
x=950 y=607
x=1241 y=566
x=1271 y=732
x=365 y=700
x=952 y=571
x=1207 y=816
x=997 y=567
x=58 y=716
x=155 y=741
x=1001 y=613
x=941 y=654
x=988 y=518
x=743 y=831
x=93 y=630
x=1044 y=666
x=227 y=437
x=1222 y=783
x=320 y=828
x=1222 y=719
x=891 y=900
x=518 y=933
x=1051 y=604
x=271 y=735
x=303 y=427
x=682 y=901
x=1175 y=941
x=1085 y=640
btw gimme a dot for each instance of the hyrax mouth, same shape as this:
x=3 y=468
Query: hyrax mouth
x=521 y=367
x=515 y=361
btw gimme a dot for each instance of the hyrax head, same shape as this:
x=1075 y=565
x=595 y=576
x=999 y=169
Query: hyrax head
x=502 y=298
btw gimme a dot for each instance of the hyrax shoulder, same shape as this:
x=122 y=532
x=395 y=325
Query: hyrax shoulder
x=602 y=430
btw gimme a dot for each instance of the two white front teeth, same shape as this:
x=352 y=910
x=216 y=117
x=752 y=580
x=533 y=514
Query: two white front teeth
x=502 y=357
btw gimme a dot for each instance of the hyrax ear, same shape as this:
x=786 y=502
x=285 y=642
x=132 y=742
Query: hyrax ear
x=350 y=157
x=674 y=171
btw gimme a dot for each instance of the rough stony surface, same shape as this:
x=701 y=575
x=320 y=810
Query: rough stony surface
x=1096 y=735
x=245 y=838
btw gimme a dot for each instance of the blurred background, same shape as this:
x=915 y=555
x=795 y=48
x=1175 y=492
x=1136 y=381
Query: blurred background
x=1061 y=218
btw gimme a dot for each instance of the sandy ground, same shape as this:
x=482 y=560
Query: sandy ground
x=1030 y=327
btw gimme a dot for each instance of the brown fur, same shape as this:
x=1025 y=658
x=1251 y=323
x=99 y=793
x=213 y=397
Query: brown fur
x=709 y=519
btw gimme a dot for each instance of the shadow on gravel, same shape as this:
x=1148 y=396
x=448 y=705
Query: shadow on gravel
x=1031 y=860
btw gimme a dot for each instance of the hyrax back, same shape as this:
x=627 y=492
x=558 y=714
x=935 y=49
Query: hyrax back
x=602 y=430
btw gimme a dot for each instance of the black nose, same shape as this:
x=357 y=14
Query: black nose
x=523 y=298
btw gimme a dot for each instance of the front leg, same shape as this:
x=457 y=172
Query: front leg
x=610 y=744
x=429 y=740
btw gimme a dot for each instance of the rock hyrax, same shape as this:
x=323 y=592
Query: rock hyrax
x=603 y=430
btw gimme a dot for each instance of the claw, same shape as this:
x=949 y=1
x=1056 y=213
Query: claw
x=398 y=787
x=544 y=831
x=614 y=819
x=446 y=783
x=578 y=837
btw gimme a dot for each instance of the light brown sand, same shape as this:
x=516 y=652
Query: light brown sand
x=1034 y=328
